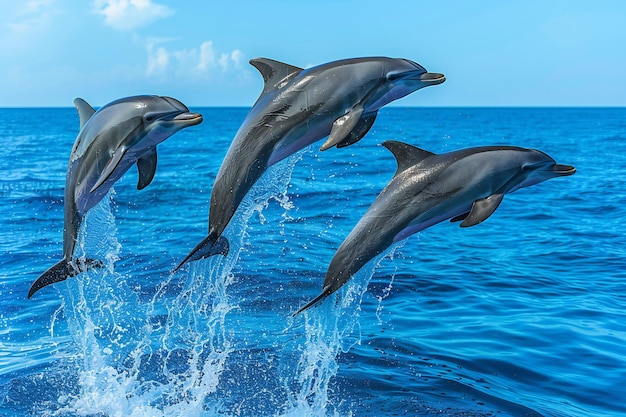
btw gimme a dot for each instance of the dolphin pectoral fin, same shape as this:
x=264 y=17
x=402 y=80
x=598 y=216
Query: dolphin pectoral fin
x=146 y=165
x=60 y=272
x=406 y=155
x=109 y=167
x=85 y=111
x=362 y=127
x=205 y=249
x=482 y=209
x=326 y=291
x=342 y=127
x=459 y=217
x=274 y=72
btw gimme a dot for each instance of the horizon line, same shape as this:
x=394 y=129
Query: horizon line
x=513 y=106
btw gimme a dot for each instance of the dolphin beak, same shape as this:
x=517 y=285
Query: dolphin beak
x=181 y=118
x=187 y=118
x=563 y=170
x=432 y=78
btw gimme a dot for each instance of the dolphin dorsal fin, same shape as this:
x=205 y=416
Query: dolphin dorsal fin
x=85 y=111
x=406 y=155
x=273 y=72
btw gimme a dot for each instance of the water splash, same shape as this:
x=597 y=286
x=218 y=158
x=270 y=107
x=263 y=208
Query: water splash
x=330 y=329
x=165 y=356
x=391 y=254
x=104 y=318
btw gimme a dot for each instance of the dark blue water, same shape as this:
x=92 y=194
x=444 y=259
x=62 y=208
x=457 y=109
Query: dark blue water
x=523 y=315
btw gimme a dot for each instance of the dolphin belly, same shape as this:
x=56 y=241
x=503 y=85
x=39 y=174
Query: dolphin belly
x=86 y=199
x=294 y=143
x=421 y=224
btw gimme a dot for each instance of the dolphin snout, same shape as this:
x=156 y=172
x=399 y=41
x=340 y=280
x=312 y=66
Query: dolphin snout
x=187 y=118
x=432 y=78
x=563 y=170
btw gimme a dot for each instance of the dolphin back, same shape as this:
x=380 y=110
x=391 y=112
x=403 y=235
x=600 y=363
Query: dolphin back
x=60 y=272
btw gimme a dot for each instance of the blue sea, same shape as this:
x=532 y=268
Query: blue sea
x=522 y=315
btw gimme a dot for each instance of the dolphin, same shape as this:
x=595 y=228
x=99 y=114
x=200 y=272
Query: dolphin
x=110 y=141
x=297 y=108
x=466 y=185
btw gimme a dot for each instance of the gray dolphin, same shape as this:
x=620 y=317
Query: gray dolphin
x=465 y=185
x=297 y=108
x=110 y=141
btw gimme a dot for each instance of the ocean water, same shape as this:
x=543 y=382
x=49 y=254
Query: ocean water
x=523 y=315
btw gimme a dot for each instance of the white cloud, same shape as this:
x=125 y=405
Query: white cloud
x=236 y=56
x=35 y=6
x=25 y=27
x=32 y=15
x=158 y=59
x=197 y=62
x=207 y=56
x=224 y=61
x=130 y=14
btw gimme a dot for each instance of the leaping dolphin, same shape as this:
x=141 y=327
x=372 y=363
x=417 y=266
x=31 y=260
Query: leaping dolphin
x=110 y=141
x=465 y=185
x=297 y=108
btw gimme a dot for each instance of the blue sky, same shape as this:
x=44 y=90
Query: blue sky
x=493 y=53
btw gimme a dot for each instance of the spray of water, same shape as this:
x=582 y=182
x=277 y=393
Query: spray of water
x=164 y=357
x=330 y=329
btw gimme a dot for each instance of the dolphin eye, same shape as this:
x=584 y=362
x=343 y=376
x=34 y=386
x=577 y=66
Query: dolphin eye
x=150 y=117
x=392 y=76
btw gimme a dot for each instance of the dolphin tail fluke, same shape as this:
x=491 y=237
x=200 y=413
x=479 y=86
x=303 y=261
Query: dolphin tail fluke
x=60 y=272
x=326 y=291
x=207 y=248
